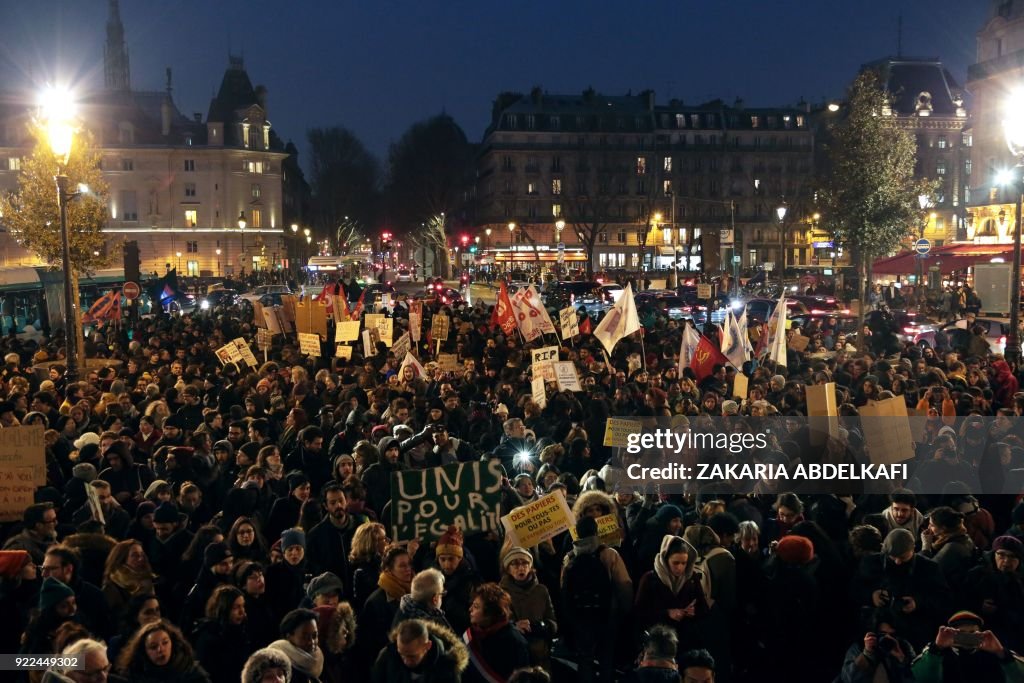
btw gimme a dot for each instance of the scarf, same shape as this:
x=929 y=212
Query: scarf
x=309 y=664
x=134 y=581
x=673 y=583
x=392 y=586
x=942 y=539
x=474 y=637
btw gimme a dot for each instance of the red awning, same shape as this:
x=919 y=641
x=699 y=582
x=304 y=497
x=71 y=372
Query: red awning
x=949 y=259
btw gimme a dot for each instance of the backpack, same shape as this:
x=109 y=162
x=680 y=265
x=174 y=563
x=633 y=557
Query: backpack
x=700 y=567
x=588 y=586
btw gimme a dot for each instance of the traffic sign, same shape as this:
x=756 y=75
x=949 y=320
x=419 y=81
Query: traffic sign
x=737 y=259
x=922 y=246
x=130 y=290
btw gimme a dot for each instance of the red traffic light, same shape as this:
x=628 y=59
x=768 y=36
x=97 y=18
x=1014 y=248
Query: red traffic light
x=385 y=235
x=465 y=239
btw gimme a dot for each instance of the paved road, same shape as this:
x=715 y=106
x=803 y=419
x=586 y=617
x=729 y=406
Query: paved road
x=479 y=291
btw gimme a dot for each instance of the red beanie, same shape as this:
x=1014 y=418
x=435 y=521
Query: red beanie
x=795 y=550
x=450 y=542
x=12 y=562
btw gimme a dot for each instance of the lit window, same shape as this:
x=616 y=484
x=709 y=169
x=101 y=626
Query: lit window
x=755 y=121
x=641 y=165
x=257 y=218
x=193 y=268
x=667 y=164
x=191 y=218
x=556 y=210
x=666 y=235
x=556 y=186
x=940 y=168
x=967 y=167
x=129 y=206
x=13 y=164
x=255 y=167
x=255 y=191
x=531 y=188
x=943 y=143
x=680 y=121
x=666 y=187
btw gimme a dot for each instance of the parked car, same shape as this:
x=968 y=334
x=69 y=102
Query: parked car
x=760 y=310
x=257 y=293
x=614 y=290
x=219 y=297
x=404 y=275
x=587 y=293
x=996 y=331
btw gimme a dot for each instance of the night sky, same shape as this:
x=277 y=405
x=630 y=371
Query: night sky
x=378 y=66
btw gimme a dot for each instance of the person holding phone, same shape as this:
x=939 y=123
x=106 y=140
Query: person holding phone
x=963 y=651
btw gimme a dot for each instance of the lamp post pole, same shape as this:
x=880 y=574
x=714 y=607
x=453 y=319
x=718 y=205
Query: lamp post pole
x=70 y=300
x=511 y=233
x=781 y=213
x=1012 y=351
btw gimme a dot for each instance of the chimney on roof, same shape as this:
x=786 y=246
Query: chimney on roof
x=649 y=95
x=738 y=103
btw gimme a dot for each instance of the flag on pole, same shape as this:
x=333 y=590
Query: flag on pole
x=705 y=358
x=411 y=362
x=504 y=315
x=586 y=327
x=777 y=348
x=107 y=307
x=621 y=321
x=526 y=318
x=743 y=327
x=537 y=310
x=688 y=348
x=357 y=312
x=732 y=341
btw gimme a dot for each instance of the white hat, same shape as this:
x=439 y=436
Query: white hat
x=502 y=408
x=86 y=439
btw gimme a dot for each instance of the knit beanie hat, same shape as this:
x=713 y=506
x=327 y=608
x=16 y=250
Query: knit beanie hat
x=450 y=542
x=325 y=584
x=12 y=562
x=293 y=537
x=795 y=550
x=965 y=618
x=216 y=553
x=85 y=471
x=167 y=513
x=513 y=553
x=666 y=513
x=296 y=480
x=146 y=507
x=898 y=542
x=53 y=592
x=1010 y=544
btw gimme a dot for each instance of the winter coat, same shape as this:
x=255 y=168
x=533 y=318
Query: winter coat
x=285 y=588
x=411 y=609
x=444 y=663
x=921 y=579
x=531 y=600
x=954 y=557
x=500 y=648
x=894 y=671
x=1006 y=593
x=458 y=589
x=375 y=623
x=327 y=548
x=221 y=649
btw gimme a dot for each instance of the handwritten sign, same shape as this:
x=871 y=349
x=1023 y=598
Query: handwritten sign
x=565 y=375
x=538 y=394
x=264 y=339
x=401 y=347
x=543 y=360
x=343 y=351
x=309 y=344
x=369 y=347
x=386 y=329
x=448 y=362
x=608 y=530
x=617 y=430
x=22 y=469
x=439 y=327
x=544 y=518
x=373 y=320
x=424 y=503
x=229 y=353
x=415 y=319
x=346 y=331
x=245 y=352
x=569 y=323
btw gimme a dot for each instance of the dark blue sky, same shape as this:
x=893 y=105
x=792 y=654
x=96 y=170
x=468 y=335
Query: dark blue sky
x=376 y=67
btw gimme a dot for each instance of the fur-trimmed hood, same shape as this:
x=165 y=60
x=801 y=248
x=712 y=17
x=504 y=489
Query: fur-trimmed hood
x=261 y=660
x=446 y=644
x=337 y=627
x=593 y=497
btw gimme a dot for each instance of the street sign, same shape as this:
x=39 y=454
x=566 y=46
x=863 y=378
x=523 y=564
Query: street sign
x=727 y=238
x=922 y=246
x=130 y=290
x=737 y=259
x=703 y=291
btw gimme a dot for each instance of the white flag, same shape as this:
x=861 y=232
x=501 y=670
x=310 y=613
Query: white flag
x=411 y=362
x=691 y=340
x=777 y=350
x=528 y=324
x=620 y=321
x=732 y=341
x=744 y=329
x=538 y=312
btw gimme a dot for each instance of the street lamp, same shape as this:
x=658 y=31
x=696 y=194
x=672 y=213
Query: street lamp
x=923 y=201
x=241 y=226
x=178 y=267
x=1013 y=126
x=57 y=111
x=511 y=231
x=781 y=213
x=218 y=261
x=559 y=227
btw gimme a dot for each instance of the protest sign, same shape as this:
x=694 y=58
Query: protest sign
x=373 y=320
x=22 y=469
x=264 y=339
x=288 y=305
x=309 y=343
x=539 y=396
x=257 y=315
x=439 y=327
x=415 y=319
x=401 y=347
x=369 y=348
x=569 y=322
x=608 y=530
x=798 y=342
x=346 y=331
x=274 y=320
x=740 y=386
x=617 y=430
x=565 y=375
x=542 y=361
x=343 y=351
x=822 y=412
x=386 y=328
x=311 y=318
x=887 y=431
x=424 y=503
x=447 y=362
x=245 y=352
x=528 y=525
x=229 y=353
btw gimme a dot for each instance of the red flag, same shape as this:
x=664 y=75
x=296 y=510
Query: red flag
x=586 y=327
x=503 y=311
x=706 y=357
x=357 y=312
x=341 y=311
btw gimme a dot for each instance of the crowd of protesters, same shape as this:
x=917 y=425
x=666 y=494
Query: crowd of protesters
x=209 y=522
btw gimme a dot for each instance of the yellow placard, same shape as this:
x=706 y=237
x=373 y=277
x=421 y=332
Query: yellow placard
x=617 y=431
x=608 y=530
x=346 y=331
x=309 y=344
x=529 y=525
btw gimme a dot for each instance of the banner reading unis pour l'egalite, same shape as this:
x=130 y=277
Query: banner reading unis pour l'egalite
x=426 y=502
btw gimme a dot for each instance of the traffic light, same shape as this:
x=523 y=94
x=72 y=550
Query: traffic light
x=465 y=240
x=472 y=249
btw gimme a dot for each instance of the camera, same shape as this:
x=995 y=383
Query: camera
x=886 y=643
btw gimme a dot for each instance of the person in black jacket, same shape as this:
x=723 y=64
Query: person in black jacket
x=421 y=651
x=307 y=458
x=221 y=639
x=328 y=543
x=62 y=563
x=217 y=566
x=284 y=514
x=494 y=643
x=286 y=580
x=259 y=621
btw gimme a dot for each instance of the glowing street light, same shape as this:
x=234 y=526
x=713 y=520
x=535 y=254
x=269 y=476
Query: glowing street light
x=1013 y=127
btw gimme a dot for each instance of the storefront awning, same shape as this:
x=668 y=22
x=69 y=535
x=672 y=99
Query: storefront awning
x=948 y=259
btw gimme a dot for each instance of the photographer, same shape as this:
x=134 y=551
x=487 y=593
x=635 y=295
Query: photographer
x=881 y=648
x=963 y=652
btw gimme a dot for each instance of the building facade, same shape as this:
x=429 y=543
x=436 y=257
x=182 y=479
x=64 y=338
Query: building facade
x=640 y=185
x=180 y=187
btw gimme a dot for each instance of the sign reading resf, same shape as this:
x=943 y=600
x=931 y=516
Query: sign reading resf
x=426 y=502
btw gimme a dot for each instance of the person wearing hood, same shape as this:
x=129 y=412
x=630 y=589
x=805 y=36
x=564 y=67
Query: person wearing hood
x=127 y=478
x=902 y=512
x=1004 y=385
x=596 y=590
x=377 y=477
x=284 y=513
x=533 y=613
x=267 y=662
x=667 y=520
x=170 y=541
x=426 y=594
x=996 y=590
x=421 y=651
x=336 y=632
x=671 y=593
x=75 y=494
x=945 y=540
x=57 y=604
x=308 y=456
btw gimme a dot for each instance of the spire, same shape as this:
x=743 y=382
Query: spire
x=116 y=74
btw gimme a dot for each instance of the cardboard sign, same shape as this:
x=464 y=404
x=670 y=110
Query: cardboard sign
x=257 y=315
x=424 y=503
x=415 y=319
x=798 y=342
x=565 y=375
x=369 y=346
x=544 y=518
x=569 y=323
x=264 y=339
x=274 y=320
x=703 y=291
x=617 y=430
x=22 y=469
x=887 y=431
x=538 y=394
x=608 y=530
x=311 y=318
x=289 y=302
x=229 y=353
x=245 y=352
x=401 y=347
x=439 y=327
x=373 y=320
x=447 y=362
x=346 y=331
x=386 y=329
x=740 y=386
x=822 y=412
x=543 y=360
x=309 y=344
x=343 y=351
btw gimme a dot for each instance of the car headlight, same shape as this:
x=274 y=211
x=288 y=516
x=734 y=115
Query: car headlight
x=204 y=304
